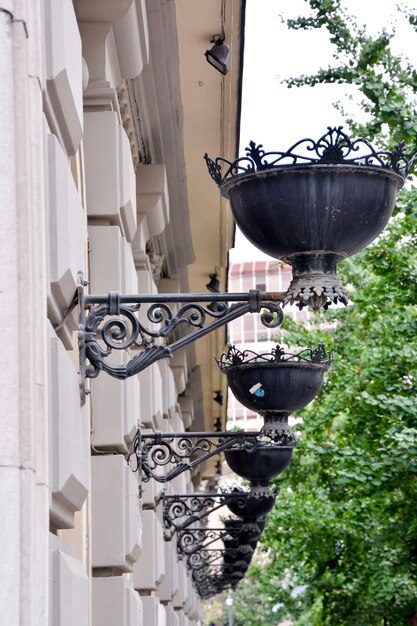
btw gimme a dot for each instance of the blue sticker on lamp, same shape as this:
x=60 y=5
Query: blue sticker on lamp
x=257 y=390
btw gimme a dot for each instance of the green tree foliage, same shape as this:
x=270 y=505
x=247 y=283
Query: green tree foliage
x=251 y=604
x=341 y=543
x=387 y=81
x=345 y=525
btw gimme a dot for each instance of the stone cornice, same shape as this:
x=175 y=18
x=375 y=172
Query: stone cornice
x=131 y=121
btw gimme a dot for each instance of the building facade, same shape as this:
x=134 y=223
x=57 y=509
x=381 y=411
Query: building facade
x=107 y=109
x=248 y=332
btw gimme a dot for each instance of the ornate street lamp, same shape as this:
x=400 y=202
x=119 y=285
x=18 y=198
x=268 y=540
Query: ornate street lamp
x=310 y=209
x=246 y=531
x=259 y=467
x=140 y=324
x=180 y=511
x=251 y=509
x=275 y=384
x=213 y=567
x=182 y=452
x=313 y=205
x=190 y=540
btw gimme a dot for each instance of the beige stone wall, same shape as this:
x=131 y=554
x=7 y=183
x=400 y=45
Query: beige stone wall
x=93 y=169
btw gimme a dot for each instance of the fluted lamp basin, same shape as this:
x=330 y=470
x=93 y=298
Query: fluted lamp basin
x=275 y=384
x=251 y=508
x=313 y=205
x=243 y=553
x=260 y=465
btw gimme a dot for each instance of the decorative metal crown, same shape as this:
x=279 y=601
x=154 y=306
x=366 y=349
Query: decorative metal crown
x=235 y=357
x=334 y=147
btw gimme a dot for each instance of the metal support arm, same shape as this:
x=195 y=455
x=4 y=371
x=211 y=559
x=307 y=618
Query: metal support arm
x=180 y=511
x=204 y=554
x=184 y=451
x=144 y=323
x=191 y=540
x=206 y=557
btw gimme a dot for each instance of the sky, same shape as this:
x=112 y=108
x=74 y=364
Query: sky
x=276 y=116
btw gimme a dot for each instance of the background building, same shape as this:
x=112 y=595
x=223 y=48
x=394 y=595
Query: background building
x=248 y=332
x=107 y=109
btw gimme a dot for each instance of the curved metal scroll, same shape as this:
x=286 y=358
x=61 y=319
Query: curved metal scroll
x=192 y=540
x=204 y=558
x=204 y=555
x=208 y=556
x=180 y=511
x=184 y=451
x=143 y=323
x=334 y=147
x=234 y=356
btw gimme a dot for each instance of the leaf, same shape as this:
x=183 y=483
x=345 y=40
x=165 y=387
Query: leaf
x=344 y=527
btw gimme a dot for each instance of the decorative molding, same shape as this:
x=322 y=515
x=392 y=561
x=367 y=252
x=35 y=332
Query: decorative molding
x=131 y=121
x=157 y=261
x=234 y=356
x=333 y=148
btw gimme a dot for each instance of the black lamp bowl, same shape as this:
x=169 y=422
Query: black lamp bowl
x=249 y=532
x=314 y=209
x=247 y=558
x=234 y=573
x=236 y=578
x=244 y=553
x=233 y=523
x=229 y=558
x=238 y=567
x=252 y=508
x=231 y=543
x=242 y=532
x=275 y=384
x=293 y=211
x=286 y=386
x=312 y=218
x=259 y=465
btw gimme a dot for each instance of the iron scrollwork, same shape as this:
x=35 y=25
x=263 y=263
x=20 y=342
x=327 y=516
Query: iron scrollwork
x=334 y=147
x=181 y=511
x=192 y=540
x=184 y=451
x=200 y=575
x=234 y=356
x=215 y=577
x=213 y=568
x=149 y=327
x=204 y=558
x=207 y=556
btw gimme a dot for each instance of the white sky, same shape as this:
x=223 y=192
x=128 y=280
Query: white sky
x=277 y=116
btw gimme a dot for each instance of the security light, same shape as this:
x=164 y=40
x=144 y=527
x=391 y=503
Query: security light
x=219 y=55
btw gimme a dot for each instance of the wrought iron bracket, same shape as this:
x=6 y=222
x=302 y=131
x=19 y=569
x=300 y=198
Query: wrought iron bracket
x=192 y=540
x=182 y=510
x=149 y=327
x=185 y=451
x=206 y=557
